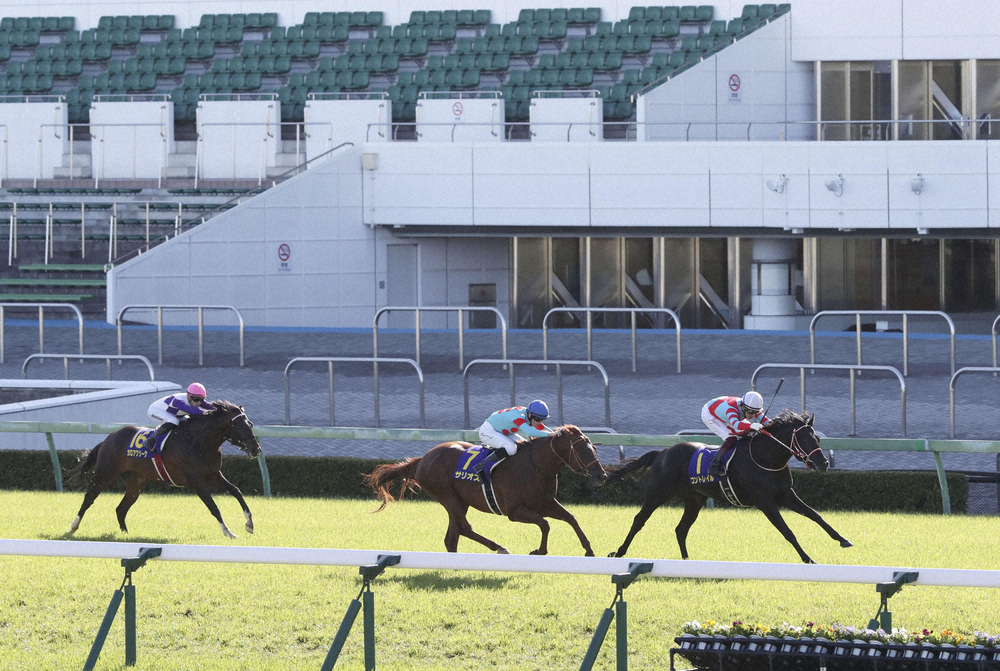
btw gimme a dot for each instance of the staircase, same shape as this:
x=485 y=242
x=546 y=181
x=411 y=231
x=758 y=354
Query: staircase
x=83 y=284
x=77 y=164
x=183 y=162
x=287 y=158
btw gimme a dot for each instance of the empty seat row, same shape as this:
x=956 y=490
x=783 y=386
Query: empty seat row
x=150 y=22
x=761 y=11
x=461 y=17
x=46 y=24
x=352 y=19
x=238 y=81
x=159 y=66
x=674 y=59
x=28 y=83
x=545 y=30
x=168 y=49
x=268 y=64
x=575 y=15
x=122 y=82
x=20 y=38
x=252 y=21
x=686 y=14
x=59 y=68
x=598 y=60
x=522 y=46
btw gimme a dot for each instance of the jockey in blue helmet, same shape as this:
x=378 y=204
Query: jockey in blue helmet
x=503 y=428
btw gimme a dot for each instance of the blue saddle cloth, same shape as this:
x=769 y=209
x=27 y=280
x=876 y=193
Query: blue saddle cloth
x=468 y=461
x=700 y=461
x=141 y=445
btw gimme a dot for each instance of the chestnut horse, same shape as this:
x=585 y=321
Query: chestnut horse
x=525 y=484
x=192 y=456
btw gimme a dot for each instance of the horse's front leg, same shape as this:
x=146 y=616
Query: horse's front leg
x=555 y=510
x=206 y=497
x=528 y=516
x=795 y=504
x=235 y=492
x=774 y=515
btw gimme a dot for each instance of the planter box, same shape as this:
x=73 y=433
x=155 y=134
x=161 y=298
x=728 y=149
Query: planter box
x=755 y=653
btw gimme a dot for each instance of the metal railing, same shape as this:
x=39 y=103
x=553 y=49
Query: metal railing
x=461 y=326
x=993 y=341
x=590 y=328
x=93 y=357
x=330 y=360
x=41 y=322
x=951 y=387
x=538 y=362
x=852 y=368
x=266 y=137
x=883 y=313
x=201 y=326
x=98 y=175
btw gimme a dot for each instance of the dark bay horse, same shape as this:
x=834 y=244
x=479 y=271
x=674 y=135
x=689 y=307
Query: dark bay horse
x=192 y=456
x=758 y=473
x=525 y=484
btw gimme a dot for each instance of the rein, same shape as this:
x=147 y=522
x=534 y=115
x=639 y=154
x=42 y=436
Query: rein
x=573 y=453
x=794 y=448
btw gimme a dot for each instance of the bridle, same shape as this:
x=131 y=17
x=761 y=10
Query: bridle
x=236 y=440
x=573 y=453
x=793 y=447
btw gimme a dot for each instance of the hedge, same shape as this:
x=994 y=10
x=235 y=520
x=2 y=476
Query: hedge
x=340 y=477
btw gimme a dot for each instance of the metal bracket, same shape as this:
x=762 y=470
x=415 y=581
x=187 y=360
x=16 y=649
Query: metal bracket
x=131 y=564
x=883 y=618
x=618 y=613
x=372 y=571
x=635 y=569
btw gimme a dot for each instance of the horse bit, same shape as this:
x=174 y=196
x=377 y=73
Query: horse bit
x=573 y=453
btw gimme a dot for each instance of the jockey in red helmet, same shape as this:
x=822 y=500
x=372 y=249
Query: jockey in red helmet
x=730 y=417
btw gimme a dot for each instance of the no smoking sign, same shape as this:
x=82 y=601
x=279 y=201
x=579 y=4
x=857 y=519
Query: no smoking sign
x=734 y=87
x=284 y=256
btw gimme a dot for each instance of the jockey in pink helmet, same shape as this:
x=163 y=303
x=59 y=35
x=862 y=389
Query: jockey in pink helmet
x=170 y=410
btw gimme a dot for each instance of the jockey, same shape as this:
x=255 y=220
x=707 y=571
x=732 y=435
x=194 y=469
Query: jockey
x=172 y=409
x=729 y=417
x=500 y=430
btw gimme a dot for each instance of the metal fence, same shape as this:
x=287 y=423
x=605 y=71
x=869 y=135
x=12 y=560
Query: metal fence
x=954 y=379
x=590 y=328
x=98 y=357
x=852 y=368
x=330 y=360
x=883 y=313
x=41 y=322
x=461 y=326
x=159 y=326
x=537 y=362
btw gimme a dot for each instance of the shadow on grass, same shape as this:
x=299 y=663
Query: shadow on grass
x=108 y=538
x=434 y=581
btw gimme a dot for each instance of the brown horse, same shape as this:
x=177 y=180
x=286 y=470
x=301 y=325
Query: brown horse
x=192 y=456
x=525 y=484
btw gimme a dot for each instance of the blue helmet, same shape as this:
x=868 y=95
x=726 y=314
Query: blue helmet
x=538 y=410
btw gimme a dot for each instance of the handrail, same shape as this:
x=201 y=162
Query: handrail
x=829 y=366
x=590 y=329
x=558 y=363
x=97 y=177
x=440 y=308
x=993 y=340
x=41 y=322
x=954 y=379
x=201 y=326
x=330 y=360
x=225 y=206
x=98 y=357
x=904 y=313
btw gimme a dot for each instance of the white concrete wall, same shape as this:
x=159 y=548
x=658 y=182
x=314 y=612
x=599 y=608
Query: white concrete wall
x=685 y=184
x=771 y=90
x=27 y=123
x=332 y=122
x=238 y=138
x=125 y=402
x=131 y=152
x=566 y=119
x=449 y=119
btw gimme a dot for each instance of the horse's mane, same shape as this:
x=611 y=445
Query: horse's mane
x=790 y=418
x=197 y=425
x=558 y=432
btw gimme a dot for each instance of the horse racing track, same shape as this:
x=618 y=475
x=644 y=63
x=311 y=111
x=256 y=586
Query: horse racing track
x=242 y=609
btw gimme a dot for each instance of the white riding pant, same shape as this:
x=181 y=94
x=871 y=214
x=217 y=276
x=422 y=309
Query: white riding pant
x=158 y=411
x=715 y=425
x=493 y=438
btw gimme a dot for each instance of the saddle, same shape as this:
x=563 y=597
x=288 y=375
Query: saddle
x=467 y=462
x=143 y=446
x=698 y=473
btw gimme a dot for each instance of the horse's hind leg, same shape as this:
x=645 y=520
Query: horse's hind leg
x=134 y=484
x=556 y=511
x=655 y=497
x=795 y=504
x=458 y=525
x=692 y=506
x=206 y=497
x=234 y=491
x=525 y=514
x=99 y=484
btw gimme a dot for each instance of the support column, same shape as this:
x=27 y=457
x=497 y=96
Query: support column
x=734 y=284
x=772 y=301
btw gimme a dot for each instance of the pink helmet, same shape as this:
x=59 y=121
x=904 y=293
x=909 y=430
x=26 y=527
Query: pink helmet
x=197 y=389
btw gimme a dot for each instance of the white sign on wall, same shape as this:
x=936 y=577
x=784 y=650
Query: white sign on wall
x=284 y=258
x=735 y=85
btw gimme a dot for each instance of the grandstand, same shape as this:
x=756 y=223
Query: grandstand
x=743 y=165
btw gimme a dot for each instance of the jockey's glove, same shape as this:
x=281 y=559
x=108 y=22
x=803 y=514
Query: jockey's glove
x=756 y=427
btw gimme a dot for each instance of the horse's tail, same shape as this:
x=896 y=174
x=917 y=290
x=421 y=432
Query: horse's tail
x=632 y=465
x=383 y=476
x=77 y=476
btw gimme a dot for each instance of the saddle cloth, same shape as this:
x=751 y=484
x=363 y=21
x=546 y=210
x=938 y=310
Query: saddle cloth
x=143 y=447
x=467 y=462
x=700 y=460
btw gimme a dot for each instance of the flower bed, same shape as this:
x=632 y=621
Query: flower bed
x=745 y=647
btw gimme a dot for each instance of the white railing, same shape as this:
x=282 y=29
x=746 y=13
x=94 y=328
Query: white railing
x=41 y=322
x=91 y=357
x=883 y=313
x=951 y=387
x=461 y=326
x=98 y=174
x=159 y=326
x=590 y=328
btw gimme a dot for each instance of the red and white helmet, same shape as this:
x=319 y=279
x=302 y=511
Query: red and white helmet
x=752 y=403
x=197 y=390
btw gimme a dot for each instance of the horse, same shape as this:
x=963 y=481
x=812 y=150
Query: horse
x=758 y=473
x=525 y=484
x=192 y=458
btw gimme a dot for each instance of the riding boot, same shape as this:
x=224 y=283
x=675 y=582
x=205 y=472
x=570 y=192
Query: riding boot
x=496 y=454
x=717 y=468
x=161 y=433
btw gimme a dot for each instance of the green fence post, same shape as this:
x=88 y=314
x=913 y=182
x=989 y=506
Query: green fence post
x=621 y=580
x=598 y=640
x=102 y=633
x=369 y=618
x=943 y=481
x=341 y=637
x=129 y=625
x=621 y=635
x=369 y=573
x=264 y=475
x=55 y=461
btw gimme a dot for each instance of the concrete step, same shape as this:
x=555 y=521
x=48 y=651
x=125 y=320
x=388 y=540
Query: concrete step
x=78 y=159
x=181 y=160
x=171 y=172
x=185 y=147
x=289 y=160
x=78 y=171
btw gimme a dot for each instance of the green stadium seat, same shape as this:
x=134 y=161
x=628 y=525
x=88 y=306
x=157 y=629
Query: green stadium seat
x=492 y=30
x=704 y=13
x=373 y=19
x=750 y=11
x=637 y=14
x=735 y=27
x=767 y=10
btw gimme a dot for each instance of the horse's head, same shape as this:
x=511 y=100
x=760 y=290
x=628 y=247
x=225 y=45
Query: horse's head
x=575 y=449
x=795 y=432
x=240 y=428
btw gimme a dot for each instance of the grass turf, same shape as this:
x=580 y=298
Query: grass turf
x=246 y=616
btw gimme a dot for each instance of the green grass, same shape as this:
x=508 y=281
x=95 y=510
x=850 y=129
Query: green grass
x=246 y=616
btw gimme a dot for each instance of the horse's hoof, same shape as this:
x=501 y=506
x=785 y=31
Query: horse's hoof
x=588 y=553
x=612 y=554
x=538 y=552
x=503 y=551
x=844 y=543
x=249 y=528
x=809 y=561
